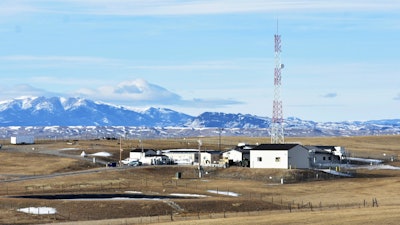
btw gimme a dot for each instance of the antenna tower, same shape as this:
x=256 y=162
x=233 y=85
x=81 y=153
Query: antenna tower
x=277 y=136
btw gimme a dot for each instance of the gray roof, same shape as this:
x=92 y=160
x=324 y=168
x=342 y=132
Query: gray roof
x=140 y=150
x=275 y=146
x=326 y=147
x=243 y=151
x=245 y=148
x=212 y=151
x=320 y=149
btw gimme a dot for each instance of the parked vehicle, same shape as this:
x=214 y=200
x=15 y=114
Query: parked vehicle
x=135 y=163
x=128 y=160
x=111 y=164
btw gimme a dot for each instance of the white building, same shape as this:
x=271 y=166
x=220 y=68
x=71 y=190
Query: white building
x=156 y=159
x=19 y=140
x=236 y=155
x=325 y=156
x=334 y=150
x=209 y=157
x=182 y=156
x=280 y=156
x=239 y=154
x=139 y=154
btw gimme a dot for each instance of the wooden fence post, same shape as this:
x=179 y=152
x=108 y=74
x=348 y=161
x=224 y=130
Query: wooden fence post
x=374 y=202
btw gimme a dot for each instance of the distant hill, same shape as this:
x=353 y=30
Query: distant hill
x=60 y=112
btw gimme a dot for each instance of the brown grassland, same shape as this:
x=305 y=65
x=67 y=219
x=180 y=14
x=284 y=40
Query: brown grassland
x=303 y=198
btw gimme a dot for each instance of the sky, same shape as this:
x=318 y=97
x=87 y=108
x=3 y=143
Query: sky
x=341 y=57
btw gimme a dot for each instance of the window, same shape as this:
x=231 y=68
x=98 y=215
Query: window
x=330 y=158
x=277 y=159
x=259 y=159
x=324 y=158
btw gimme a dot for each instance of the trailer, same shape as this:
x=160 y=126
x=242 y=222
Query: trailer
x=21 y=140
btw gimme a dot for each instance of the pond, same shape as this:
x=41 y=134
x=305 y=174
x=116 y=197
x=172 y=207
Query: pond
x=96 y=196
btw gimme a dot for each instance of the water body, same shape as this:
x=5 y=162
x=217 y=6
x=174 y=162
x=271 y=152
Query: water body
x=125 y=196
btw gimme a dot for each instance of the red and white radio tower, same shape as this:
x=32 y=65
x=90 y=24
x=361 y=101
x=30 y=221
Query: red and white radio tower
x=277 y=136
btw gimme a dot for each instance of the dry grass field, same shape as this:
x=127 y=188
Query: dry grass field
x=261 y=198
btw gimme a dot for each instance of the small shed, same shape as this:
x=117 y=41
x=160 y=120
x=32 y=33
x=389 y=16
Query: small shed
x=279 y=156
x=240 y=153
x=210 y=157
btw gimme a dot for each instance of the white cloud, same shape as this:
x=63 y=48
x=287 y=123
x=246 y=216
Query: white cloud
x=34 y=61
x=194 y=7
x=233 y=64
x=13 y=7
x=140 y=92
x=136 y=92
x=24 y=90
x=53 y=59
x=330 y=95
x=160 y=7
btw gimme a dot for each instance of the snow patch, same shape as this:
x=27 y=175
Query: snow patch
x=189 y=195
x=229 y=193
x=68 y=149
x=38 y=210
x=337 y=173
x=101 y=154
x=381 y=167
x=134 y=192
x=374 y=161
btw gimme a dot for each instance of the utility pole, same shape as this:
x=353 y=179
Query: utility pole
x=219 y=138
x=120 y=151
x=199 y=158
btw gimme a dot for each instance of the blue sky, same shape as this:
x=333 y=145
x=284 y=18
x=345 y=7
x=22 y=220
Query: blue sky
x=342 y=57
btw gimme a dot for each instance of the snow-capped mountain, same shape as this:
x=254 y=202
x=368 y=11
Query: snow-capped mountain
x=229 y=120
x=57 y=116
x=58 y=111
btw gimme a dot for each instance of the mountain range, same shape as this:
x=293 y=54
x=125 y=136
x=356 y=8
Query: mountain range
x=40 y=113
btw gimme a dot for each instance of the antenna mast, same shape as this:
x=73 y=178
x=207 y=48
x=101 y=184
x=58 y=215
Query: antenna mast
x=277 y=136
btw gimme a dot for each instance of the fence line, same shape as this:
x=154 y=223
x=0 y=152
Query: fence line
x=194 y=185
x=169 y=216
x=173 y=216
